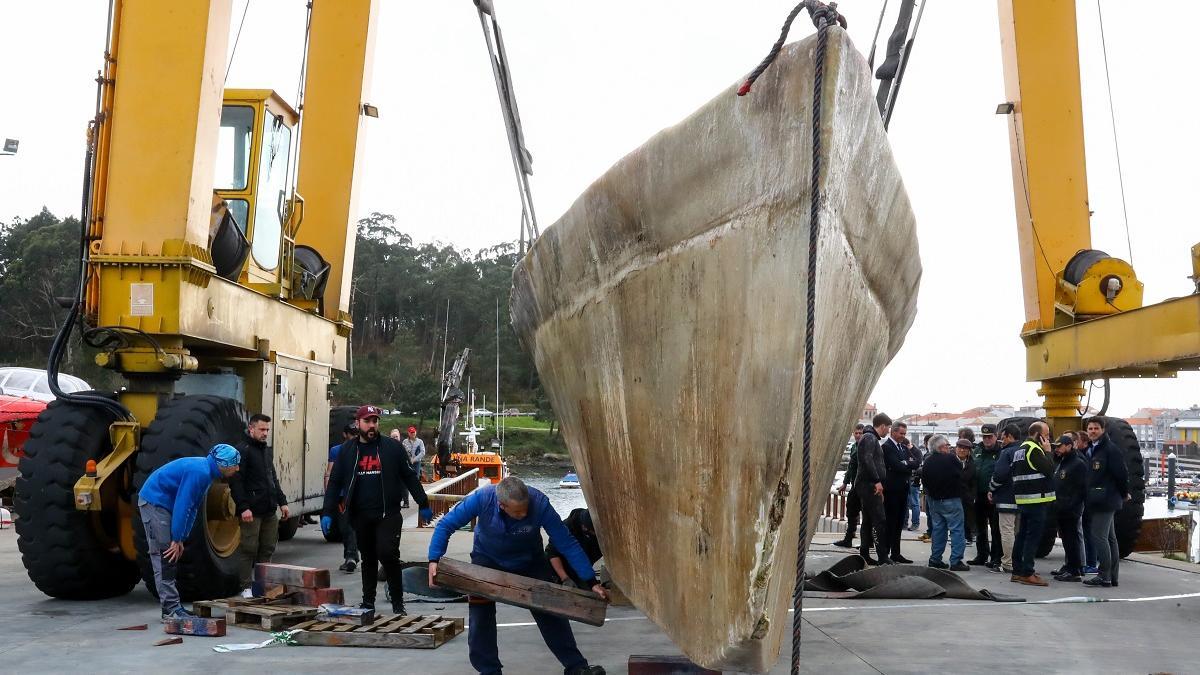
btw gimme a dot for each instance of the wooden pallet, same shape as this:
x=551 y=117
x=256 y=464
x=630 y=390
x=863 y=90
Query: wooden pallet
x=390 y=630
x=255 y=615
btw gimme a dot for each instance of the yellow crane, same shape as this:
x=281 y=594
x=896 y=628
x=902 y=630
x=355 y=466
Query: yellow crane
x=215 y=278
x=1084 y=315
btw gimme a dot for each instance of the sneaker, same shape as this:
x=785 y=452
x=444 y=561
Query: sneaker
x=938 y=565
x=399 y=609
x=913 y=528
x=1006 y=570
x=1068 y=577
x=977 y=561
x=901 y=560
x=248 y=593
x=177 y=613
x=844 y=543
x=367 y=605
x=960 y=567
x=1033 y=580
x=1097 y=582
x=994 y=568
x=1091 y=569
x=349 y=566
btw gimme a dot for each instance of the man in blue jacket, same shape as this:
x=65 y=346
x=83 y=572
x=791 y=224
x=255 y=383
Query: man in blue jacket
x=508 y=537
x=1000 y=494
x=168 y=504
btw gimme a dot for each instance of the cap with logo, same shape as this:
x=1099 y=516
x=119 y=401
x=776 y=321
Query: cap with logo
x=412 y=430
x=1065 y=440
x=367 y=411
x=988 y=430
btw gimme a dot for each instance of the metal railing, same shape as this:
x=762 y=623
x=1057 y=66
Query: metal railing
x=835 y=506
x=445 y=493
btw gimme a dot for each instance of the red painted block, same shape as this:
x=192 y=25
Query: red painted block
x=315 y=597
x=203 y=627
x=268 y=574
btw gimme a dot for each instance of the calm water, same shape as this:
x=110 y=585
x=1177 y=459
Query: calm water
x=546 y=479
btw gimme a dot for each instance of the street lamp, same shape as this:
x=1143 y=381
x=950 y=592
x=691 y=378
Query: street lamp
x=10 y=146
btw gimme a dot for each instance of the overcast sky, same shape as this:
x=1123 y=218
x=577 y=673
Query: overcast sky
x=595 y=80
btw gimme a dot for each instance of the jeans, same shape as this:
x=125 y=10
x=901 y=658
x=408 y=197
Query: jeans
x=1104 y=538
x=1071 y=533
x=1008 y=537
x=1029 y=536
x=946 y=517
x=914 y=506
x=987 y=521
x=157 y=522
x=379 y=543
x=260 y=536
x=1089 y=549
x=481 y=633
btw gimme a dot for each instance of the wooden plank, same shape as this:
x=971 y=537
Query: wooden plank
x=306 y=625
x=353 y=639
x=315 y=597
x=377 y=623
x=397 y=622
x=543 y=596
x=270 y=574
x=198 y=626
x=421 y=624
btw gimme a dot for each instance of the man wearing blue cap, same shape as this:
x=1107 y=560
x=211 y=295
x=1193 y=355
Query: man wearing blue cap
x=168 y=504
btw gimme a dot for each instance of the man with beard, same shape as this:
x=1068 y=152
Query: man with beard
x=376 y=476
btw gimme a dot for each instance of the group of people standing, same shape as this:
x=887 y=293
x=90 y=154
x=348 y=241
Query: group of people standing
x=1002 y=492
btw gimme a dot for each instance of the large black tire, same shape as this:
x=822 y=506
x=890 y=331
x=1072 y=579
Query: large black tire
x=188 y=426
x=339 y=417
x=1129 y=518
x=288 y=528
x=69 y=554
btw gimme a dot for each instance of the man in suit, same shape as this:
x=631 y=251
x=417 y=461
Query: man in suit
x=900 y=466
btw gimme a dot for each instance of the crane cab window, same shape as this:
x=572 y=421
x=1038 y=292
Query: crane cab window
x=271 y=203
x=233 y=149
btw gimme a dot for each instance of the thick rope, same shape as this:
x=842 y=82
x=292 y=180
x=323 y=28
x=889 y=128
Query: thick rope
x=823 y=16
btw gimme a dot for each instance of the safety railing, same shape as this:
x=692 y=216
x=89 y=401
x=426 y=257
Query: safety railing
x=835 y=506
x=443 y=494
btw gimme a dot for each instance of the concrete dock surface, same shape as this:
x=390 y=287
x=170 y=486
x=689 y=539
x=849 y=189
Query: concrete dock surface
x=1148 y=626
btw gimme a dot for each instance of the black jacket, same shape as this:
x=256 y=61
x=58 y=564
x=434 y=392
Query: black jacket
x=1107 y=477
x=900 y=465
x=579 y=524
x=255 y=486
x=1070 y=482
x=943 y=476
x=967 y=477
x=871 y=467
x=851 y=466
x=397 y=473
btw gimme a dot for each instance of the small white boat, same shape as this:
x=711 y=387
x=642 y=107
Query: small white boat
x=570 y=480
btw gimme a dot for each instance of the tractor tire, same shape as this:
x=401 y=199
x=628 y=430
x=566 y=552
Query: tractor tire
x=1021 y=422
x=68 y=554
x=288 y=528
x=339 y=417
x=188 y=426
x=1049 y=535
x=1129 y=518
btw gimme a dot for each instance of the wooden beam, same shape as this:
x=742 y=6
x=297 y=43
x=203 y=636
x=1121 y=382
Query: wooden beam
x=356 y=639
x=513 y=589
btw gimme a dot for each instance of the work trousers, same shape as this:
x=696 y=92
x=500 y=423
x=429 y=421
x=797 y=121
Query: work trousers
x=157 y=522
x=379 y=543
x=481 y=633
x=987 y=520
x=946 y=519
x=1104 y=539
x=349 y=539
x=1029 y=537
x=895 y=504
x=968 y=506
x=873 y=519
x=1070 y=530
x=260 y=536
x=853 y=509
x=1008 y=536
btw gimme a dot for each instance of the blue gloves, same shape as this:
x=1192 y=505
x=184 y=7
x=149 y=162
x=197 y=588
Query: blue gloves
x=426 y=514
x=326 y=523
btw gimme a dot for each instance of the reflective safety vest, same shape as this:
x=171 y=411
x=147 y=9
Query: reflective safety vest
x=1030 y=486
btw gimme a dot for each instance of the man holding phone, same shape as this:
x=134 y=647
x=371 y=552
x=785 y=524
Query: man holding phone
x=1033 y=489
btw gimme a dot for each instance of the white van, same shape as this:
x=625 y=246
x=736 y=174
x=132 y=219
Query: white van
x=31 y=383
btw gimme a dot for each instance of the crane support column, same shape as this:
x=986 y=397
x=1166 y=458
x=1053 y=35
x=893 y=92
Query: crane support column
x=1041 y=82
x=340 y=51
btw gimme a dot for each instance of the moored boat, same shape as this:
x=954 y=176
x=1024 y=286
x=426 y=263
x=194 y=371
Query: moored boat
x=571 y=480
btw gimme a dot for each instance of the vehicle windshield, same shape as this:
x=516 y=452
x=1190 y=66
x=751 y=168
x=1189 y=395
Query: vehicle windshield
x=270 y=209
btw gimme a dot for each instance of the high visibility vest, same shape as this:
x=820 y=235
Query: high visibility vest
x=1030 y=486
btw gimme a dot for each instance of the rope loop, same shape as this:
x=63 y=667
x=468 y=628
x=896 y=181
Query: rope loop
x=822 y=16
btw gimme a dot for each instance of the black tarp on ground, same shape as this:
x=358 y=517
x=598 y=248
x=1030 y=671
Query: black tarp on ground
x=851 y=578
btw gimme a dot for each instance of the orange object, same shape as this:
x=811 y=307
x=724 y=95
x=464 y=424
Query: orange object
x=90 y=468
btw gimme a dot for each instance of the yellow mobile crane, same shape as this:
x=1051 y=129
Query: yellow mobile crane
x=215 y=278
x=1084 y=316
